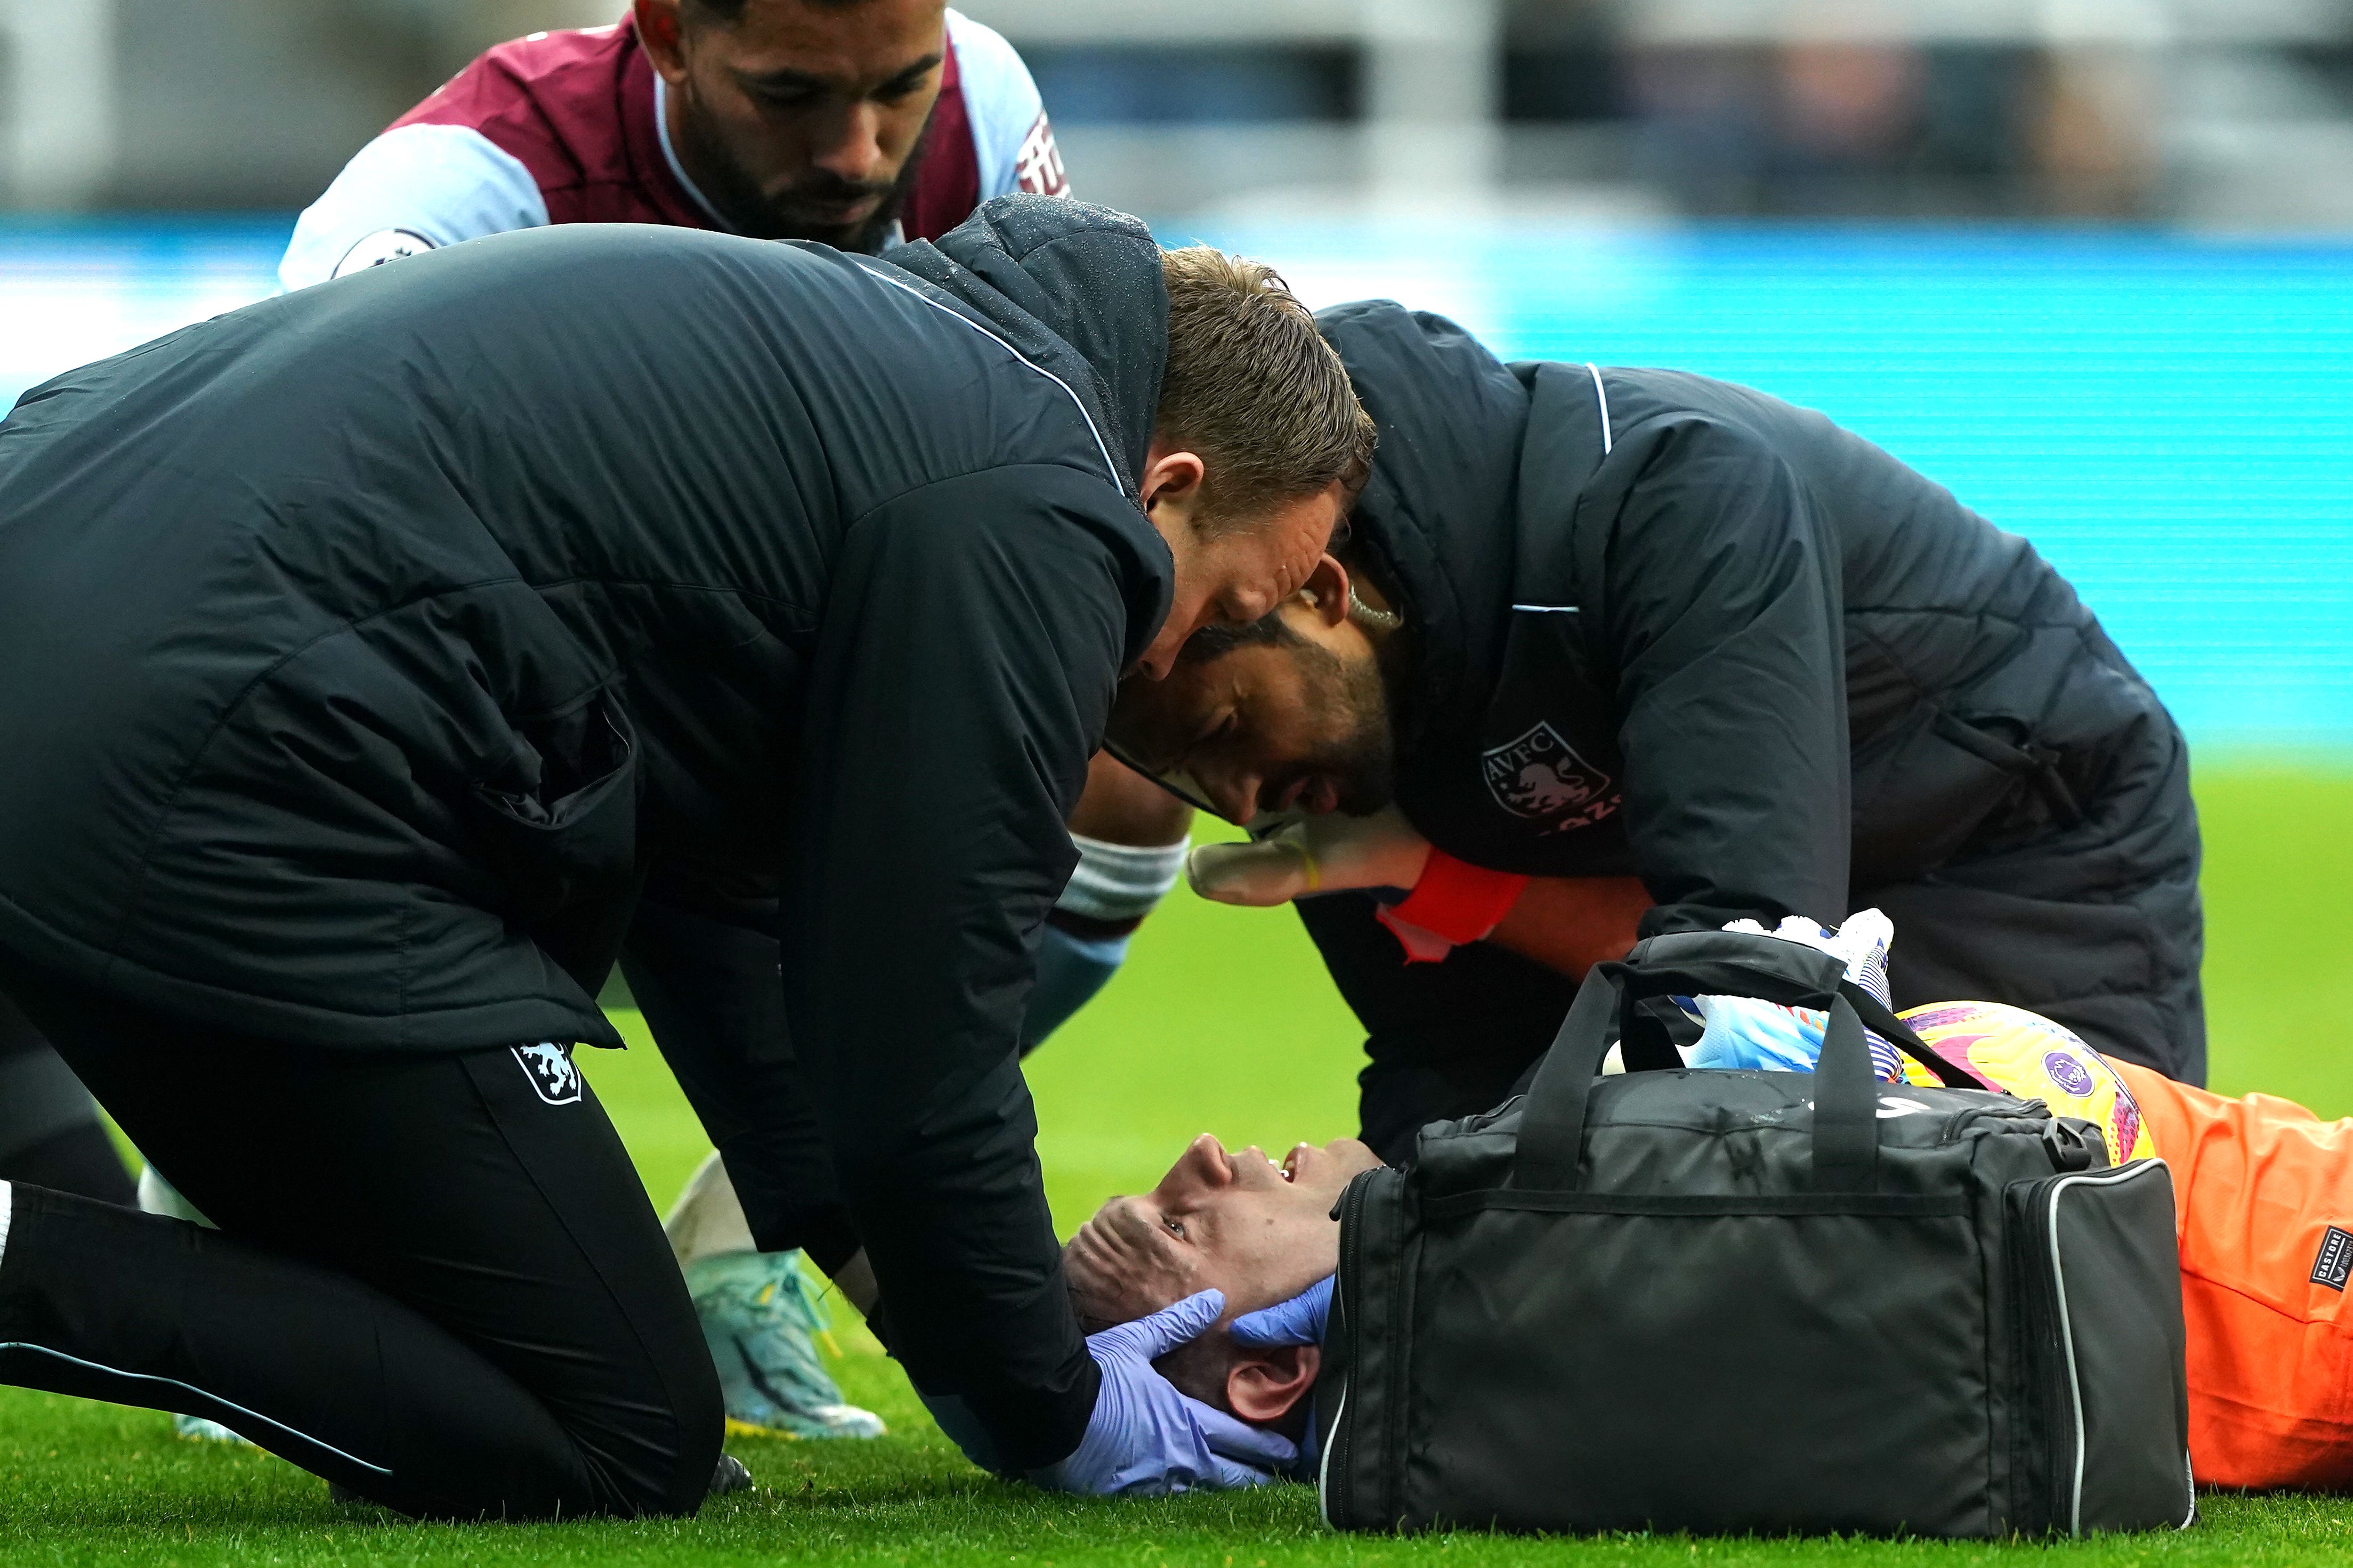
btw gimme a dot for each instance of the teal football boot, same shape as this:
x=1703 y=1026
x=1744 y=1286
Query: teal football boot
x=196 y=1429
x=762 y=1319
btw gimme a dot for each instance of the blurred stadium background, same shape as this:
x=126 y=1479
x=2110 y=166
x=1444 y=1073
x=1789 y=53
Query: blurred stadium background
x=2082 y=260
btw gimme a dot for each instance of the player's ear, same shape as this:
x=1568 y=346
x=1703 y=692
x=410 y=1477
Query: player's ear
x=1326 y=589
x=1170 y=474
x=659 y=27
x=1265 y=1382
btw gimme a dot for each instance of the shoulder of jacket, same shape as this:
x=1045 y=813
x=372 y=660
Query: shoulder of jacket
x=1008 y=362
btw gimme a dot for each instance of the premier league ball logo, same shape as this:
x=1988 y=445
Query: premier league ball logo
x=551 y=1070
x=2068 y=1073
x=384 y=245
x=1540 y=777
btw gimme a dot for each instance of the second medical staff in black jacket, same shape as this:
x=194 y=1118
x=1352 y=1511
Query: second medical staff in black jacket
x=1654 y=626
x=366 y=647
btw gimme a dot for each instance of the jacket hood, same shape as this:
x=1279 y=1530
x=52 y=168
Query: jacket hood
x=1439 y=513
x=1074 y=288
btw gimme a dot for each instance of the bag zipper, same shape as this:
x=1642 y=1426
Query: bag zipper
x=2061 y=1389
x=1349 y=1210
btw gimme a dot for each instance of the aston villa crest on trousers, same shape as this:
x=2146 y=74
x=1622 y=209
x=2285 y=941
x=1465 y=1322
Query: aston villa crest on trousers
x=1540 y=777
x=551 y=1071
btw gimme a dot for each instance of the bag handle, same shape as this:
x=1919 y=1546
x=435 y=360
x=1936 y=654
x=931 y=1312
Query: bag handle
x=1723 y=963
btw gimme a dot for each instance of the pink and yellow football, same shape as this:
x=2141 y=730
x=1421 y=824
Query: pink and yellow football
x=2027 y=1055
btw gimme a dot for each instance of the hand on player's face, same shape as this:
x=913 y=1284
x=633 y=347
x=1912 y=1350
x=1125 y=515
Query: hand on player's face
x=801 y=119
x=1300 y=724
x=1236 y=1222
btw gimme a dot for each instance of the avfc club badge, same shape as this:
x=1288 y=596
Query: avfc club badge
x=551 y=1072
x=1539 y=776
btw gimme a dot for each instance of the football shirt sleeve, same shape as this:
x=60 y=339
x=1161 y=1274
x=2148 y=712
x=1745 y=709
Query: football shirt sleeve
x=1011 y=136
x=415 y=188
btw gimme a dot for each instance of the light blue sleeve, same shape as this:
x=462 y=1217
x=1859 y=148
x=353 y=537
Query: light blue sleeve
x=417 y=187
x=1009 y=130
x=1070 y=971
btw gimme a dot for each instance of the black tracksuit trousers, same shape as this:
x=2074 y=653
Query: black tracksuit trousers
x=438 y=1280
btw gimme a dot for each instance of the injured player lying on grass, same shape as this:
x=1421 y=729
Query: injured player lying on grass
x=2263 y=1192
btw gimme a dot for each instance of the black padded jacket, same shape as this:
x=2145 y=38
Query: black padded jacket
x=1665 y=626
x=369 y=645
x=1672 y=628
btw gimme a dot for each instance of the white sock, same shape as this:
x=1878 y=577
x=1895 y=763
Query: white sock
x=1121 y=881
x=8 y=1209
x=708 y=1219
x=157 y=1195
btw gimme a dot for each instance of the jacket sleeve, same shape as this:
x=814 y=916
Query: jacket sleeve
x=972 y=637
x=1722 y=611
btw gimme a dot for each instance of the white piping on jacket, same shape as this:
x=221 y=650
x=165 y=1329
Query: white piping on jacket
x=1110 y=467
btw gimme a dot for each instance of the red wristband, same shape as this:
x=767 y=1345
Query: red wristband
x=1454 y=901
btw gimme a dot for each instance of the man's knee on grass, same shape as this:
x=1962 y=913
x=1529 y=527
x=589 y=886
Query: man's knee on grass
x=1236 y=1222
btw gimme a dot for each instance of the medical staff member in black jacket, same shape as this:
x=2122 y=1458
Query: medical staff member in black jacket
x=370 y=645
x=1681 y=654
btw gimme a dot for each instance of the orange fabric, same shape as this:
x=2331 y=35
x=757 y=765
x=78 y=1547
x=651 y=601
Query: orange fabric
x=2257 y=1183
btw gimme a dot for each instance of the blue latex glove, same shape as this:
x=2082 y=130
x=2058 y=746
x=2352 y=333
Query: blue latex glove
x=1301 y=1320
x=1146 y=1439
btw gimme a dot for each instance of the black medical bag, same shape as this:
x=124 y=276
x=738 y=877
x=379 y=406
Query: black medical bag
x=1723 y=1302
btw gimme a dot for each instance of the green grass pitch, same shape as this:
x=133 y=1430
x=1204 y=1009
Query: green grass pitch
x=1222 y=1021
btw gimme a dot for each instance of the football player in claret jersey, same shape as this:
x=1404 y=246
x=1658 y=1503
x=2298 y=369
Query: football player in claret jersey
x=857 y=123
x=854 y=122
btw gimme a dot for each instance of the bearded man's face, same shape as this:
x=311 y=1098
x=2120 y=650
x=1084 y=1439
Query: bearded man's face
x=806 y=121
x=1298 y=723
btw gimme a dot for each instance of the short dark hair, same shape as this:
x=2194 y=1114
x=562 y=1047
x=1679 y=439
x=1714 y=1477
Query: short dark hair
x=732 y=11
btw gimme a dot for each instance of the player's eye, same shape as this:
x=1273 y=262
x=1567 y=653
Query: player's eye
x=1176 y=1226
x=900 y=86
